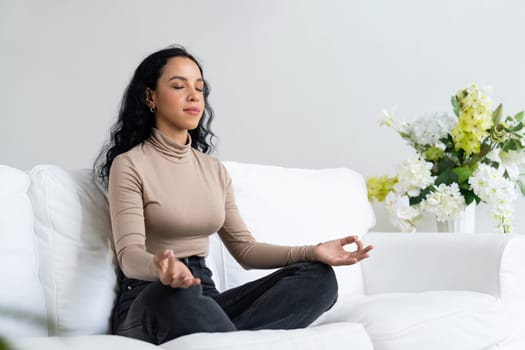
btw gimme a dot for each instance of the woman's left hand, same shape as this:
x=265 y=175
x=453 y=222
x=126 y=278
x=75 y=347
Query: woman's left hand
x=332 y=252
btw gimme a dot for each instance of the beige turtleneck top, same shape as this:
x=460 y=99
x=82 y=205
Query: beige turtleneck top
x=166 y=195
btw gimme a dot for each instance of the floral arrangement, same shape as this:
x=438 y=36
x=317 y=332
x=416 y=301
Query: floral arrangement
x=472 y=157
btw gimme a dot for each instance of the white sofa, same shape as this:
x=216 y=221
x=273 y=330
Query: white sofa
x=416 y=291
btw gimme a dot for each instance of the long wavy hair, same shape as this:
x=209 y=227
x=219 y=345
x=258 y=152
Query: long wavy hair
x=136 y=121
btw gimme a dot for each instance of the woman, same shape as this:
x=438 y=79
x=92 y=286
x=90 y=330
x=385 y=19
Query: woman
x=167 y=195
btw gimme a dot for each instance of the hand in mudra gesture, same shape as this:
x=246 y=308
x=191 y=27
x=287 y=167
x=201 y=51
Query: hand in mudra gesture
x=172 y=272
x=332 y=252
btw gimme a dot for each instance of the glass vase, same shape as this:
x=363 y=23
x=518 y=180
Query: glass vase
x=464 y=222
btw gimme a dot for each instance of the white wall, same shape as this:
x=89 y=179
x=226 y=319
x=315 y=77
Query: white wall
x=294 y=83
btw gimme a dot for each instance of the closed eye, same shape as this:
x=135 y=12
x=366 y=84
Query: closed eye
x=182 y=87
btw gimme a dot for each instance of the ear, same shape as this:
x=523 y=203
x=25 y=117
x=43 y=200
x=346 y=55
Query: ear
x=150 y=97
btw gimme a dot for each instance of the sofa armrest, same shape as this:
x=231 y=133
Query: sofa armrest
x=487 y=263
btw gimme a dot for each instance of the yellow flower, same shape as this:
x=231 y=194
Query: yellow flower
x=379 y=187
x=475 y=118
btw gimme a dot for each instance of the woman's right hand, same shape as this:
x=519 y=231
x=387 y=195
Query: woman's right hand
x=172 y=272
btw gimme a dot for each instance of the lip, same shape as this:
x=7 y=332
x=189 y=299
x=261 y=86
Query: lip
x=192 y=110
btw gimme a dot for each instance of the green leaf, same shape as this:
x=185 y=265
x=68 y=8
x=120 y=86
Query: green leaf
x=455 y=105
x=521 y=186
x=463 y=173
x=492 y=163
x=514 y=144
x=519 y=116
x=445 y=164
x=447 y=140
x=447 y=177
x=470 y=196
x=496 y=115
x=422 y=194
x=517 y=127
x=404 y=135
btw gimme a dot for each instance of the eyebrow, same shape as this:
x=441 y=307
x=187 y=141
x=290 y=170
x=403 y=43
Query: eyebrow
x=182 y=78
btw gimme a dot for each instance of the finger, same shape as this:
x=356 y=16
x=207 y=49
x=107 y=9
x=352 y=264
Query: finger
x=189 y=281
x=171 y=267
x=178 y=281
x=359 y=245
x=349 y=261
x=348 y=240
x=364 y=250
x=186 y=282
x=162 y=266
x=364 y=253
x=158 y=258
x=346 y=259
x=167 y=253
x=194 y=281
x=362 y=256
x=368 y=248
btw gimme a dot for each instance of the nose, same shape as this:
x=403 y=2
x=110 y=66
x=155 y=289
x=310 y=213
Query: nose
x=193 y=95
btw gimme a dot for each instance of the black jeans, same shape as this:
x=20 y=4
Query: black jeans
x=292 y=297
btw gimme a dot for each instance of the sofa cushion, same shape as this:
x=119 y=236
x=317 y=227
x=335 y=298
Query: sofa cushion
x=434 y=320
x=22 y=308
x=300 y=206
x=73 y=231
x=332 y=336
x=91 y=342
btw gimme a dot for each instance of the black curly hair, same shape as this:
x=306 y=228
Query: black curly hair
x=136 y=121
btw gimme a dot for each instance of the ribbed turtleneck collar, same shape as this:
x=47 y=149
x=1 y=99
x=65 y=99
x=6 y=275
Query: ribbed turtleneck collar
x=169 y=148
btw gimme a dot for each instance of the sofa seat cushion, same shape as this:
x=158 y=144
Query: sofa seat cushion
x=330 y=336
x=429 y=320
x=86 y=342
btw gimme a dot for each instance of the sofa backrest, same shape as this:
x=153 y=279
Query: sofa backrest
x=22 y=308
x=73 y=231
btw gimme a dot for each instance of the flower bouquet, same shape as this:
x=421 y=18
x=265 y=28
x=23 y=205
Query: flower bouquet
x=472 y=157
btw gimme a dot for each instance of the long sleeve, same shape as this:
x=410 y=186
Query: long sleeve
x=127 y=220
x=243 y=246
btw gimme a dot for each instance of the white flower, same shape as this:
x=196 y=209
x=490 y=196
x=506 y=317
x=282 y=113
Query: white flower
x=388 y=120
x=427 y=130
x=445 y=202
x=402 y=215
x=489 y=184
x=512 y=161
x=502 y=213
x=413 y=175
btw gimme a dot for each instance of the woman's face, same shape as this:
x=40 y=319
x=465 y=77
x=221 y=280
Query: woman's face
x=179 y=98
